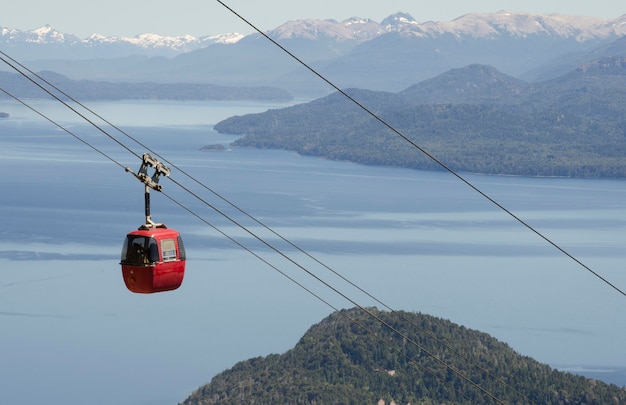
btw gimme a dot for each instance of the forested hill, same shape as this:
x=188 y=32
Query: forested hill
x=351 y=358
x=473 y=119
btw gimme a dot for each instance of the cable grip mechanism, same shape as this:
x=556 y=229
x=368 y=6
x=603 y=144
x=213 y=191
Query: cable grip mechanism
x=143 y=176
x=150 y=182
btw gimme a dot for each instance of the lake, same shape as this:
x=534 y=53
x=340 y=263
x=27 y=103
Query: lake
x=417 y=241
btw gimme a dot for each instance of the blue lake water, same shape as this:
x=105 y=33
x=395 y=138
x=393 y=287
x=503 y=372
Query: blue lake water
x=418 y=241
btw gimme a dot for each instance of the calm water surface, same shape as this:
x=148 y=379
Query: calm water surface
x=418 y=241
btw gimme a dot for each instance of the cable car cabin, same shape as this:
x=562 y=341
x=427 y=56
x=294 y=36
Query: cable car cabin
x=153 y=260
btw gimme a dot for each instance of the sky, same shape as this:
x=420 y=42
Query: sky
x=209 y=17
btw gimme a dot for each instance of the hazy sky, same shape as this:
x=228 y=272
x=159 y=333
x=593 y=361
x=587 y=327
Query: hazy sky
x=208 y=17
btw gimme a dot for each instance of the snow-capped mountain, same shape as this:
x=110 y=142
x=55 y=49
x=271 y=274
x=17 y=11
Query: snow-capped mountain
x=43 y=35
x=523 y=24
x=145 y=44
x=183 y=43
x=477 y=25
x=352 y=29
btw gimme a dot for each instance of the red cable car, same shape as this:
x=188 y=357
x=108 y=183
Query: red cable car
x=153 y=260
x=153 y=256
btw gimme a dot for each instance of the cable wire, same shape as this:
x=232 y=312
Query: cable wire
x=457 y=372
x=317 y=296
x=424 y=151
x=60 y=127
x=363 y=309
x=244 y=212
x=445 y=344
x=4 y=58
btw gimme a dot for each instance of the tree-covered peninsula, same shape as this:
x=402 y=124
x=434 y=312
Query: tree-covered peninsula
x=473 y=119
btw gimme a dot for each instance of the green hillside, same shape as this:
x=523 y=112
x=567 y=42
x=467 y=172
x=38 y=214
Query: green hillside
x=409 y=358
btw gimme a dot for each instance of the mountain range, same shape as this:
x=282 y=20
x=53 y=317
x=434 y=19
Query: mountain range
x=389 y=55
x=46 y=42
x=355 y=29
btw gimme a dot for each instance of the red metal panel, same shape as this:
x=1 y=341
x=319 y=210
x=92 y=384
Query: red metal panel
x=156 y=278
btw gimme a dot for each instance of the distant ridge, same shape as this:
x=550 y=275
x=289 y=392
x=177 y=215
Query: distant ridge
x=390 y=55
x=341 y=362
x=21 y=87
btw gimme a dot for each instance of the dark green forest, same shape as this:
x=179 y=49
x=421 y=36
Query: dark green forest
x=473 y=119
x=353 y=358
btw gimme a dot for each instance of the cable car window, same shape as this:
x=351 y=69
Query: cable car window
x=168 y=247
x=125 y=251
x=181 y=249
x=139 y=250
x=153 y=251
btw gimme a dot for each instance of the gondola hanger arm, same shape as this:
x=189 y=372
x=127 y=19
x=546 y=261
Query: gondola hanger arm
x=142 y=175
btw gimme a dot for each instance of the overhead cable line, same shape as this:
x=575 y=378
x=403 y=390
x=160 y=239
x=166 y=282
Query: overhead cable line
x=360 y=307
x=4 y=58
x=430 y=334
x=363 y=309
x=461 y=375
x=244 y=212
x=391 y=328
x=60 y=127
x=424 y=151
